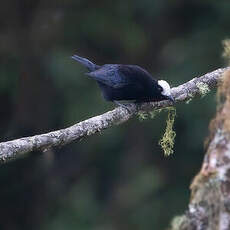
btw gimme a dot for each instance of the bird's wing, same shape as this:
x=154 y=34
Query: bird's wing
x=109 y=75
x=118 y=76
x=134 y=73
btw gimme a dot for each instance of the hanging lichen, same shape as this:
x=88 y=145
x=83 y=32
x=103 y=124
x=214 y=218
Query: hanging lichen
x=142 y=115
x=145 y=115
x=154 y=113
x=168 y=138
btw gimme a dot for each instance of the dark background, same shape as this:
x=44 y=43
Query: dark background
x=119 y=179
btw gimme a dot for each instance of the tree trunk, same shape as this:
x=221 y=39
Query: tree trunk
x=209 y=206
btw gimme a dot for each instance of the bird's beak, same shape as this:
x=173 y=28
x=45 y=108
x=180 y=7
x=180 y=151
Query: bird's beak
x=170 y=98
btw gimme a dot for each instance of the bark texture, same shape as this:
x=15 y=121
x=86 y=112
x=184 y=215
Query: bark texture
x=184 y=92
x=209 y=207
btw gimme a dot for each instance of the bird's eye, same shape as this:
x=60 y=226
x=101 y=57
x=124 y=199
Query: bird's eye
x=160 y=88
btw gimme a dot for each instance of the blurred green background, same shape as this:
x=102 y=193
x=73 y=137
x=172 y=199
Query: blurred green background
x=119 y=179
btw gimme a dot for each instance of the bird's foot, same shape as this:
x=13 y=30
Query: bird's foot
x=138 y=104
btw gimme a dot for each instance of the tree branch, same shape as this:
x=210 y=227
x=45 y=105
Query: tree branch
x=184 y=92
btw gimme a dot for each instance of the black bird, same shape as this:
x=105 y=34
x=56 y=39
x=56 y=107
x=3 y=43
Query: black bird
x=126 y=82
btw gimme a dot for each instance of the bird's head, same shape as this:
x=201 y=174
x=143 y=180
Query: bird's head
x=165 y=90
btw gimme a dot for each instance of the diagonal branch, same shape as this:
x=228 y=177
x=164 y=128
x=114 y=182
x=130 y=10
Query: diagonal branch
x=184 y=92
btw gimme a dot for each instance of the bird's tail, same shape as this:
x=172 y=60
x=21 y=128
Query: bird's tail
x=85 y=62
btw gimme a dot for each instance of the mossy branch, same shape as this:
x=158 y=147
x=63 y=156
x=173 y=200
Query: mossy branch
x=184 y=92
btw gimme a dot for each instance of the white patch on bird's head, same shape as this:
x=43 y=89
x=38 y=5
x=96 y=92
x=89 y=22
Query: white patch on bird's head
x=166 y=87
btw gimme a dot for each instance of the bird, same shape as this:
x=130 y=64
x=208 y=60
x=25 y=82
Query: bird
x=120 y=82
